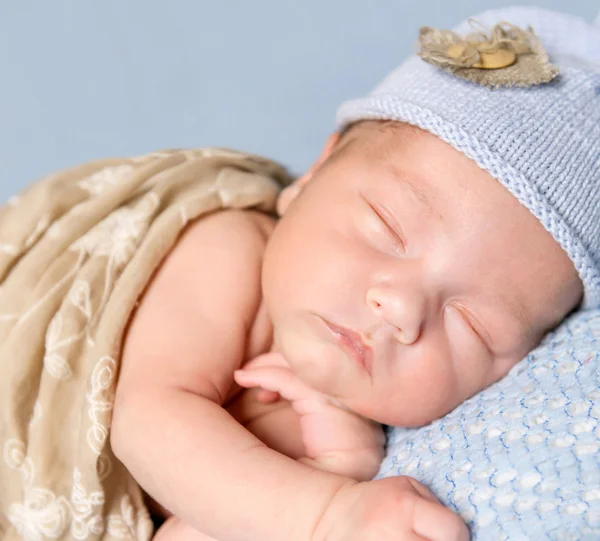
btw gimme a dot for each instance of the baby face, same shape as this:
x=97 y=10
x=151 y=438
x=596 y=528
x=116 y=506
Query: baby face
x=403 y=279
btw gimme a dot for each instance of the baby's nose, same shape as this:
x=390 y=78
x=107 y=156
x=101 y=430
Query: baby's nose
x=404 y=310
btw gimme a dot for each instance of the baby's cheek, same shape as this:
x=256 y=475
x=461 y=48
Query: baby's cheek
x=473 y=365
x=417 y=394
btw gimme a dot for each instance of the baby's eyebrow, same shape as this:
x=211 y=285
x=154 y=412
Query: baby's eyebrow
x=415 y=184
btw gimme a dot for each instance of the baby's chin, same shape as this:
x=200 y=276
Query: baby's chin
x=393 y=411
x=403 y=419
x=322 y=365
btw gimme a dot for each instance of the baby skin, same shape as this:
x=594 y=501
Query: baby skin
x=400 y=280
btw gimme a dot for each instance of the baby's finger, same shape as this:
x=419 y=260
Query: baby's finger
x=436 y=523
x=267 y=397
x=280 y=380
x=422 y=490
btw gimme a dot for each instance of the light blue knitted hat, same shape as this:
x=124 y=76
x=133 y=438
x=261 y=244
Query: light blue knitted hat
x=542 y=143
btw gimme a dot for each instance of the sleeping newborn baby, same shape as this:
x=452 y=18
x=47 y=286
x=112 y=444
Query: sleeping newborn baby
x=450 y=222
x=421 y=257
x=445 y=228
x=401 y=280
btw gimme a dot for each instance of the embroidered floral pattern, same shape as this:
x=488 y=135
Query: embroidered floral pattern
x=67 y=294
x=44 y=515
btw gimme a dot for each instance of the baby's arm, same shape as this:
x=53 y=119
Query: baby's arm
x=169 y=428
x=335 y=439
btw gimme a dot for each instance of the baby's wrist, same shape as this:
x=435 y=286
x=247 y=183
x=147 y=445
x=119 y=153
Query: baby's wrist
x=335 y=510
x=358 y=464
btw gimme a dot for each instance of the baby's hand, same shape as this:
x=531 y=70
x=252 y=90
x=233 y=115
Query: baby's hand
x=390 y=509
x=335 y=439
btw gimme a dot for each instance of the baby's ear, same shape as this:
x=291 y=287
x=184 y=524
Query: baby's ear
x=290 y=193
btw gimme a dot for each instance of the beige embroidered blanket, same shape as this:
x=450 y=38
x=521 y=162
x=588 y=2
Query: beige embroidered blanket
x=76 y=250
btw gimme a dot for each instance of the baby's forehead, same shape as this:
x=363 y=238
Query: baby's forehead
x=372 y=134
x=417 y=160
x=401 y=148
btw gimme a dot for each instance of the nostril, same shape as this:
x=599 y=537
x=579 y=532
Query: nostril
x=374 y=299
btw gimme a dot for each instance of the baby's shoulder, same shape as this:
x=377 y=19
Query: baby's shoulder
x=226 y=250
x=237 y=232
x=214 y=265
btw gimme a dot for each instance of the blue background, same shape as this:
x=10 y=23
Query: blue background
x=83 y=79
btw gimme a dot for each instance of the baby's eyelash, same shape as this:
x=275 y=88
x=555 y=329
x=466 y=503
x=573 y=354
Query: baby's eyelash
x=474 y=327
x=386 y=221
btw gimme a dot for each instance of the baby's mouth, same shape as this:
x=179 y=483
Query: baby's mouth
x=354 y=344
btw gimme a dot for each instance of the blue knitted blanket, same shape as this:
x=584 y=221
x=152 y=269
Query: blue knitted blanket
x=521 y=460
